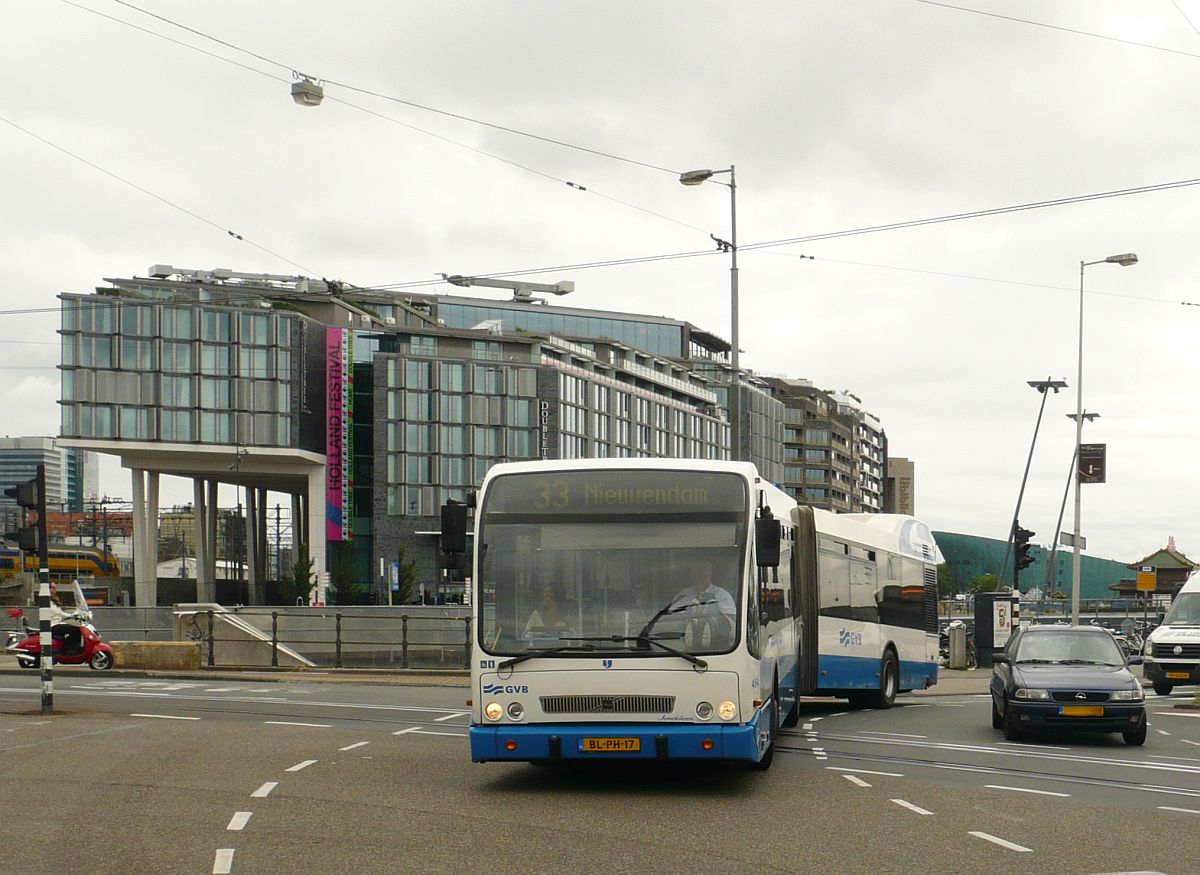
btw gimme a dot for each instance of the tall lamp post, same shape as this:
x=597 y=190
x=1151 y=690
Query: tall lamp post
x=1125 y=260
x=698 y=177
x=1042 y=386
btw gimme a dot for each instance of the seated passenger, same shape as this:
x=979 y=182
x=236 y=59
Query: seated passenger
x=549 y=619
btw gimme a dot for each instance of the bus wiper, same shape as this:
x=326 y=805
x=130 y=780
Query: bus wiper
x=657 y=642
x=543 y=651
x=667 y=609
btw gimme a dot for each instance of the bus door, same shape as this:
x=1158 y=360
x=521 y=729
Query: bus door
x=805 y=600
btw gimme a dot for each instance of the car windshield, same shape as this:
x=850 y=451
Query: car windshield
x=1185 y=610
x=1068 y=649
x=614 y=560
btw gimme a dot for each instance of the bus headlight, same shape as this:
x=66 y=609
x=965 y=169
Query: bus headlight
x=704 y=710
x=727 y=710
x=493 y=711
x=516 y=711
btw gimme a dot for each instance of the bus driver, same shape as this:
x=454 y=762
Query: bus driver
x=703 y=597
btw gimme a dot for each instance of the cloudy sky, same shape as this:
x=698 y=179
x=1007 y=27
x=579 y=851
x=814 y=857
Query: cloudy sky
x=129 y=141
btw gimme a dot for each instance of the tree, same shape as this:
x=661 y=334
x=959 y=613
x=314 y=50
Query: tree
x=347 y=588
x=408 y=578
x=983 y=583
x=298 y=584
x=947 y=578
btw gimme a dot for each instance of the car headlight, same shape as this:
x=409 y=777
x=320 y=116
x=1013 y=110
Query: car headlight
x=1148 y=649
x=1029 y=693
x=1135 y=695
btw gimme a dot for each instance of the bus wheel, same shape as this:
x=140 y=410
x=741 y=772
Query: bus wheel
x=1162 y=689
x=889 y=681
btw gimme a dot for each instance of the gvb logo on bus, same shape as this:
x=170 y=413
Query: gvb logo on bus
x=846 y=638
x=493 y=689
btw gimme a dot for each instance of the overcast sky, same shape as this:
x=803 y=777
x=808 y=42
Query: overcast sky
x=838 y=114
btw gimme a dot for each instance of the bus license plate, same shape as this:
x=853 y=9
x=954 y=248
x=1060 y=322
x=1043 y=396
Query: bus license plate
x=1178 y=675
x=1082 y=710
x=609 y=745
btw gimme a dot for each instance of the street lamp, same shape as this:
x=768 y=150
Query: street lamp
x=698 y=177
x=1042 y=386
x=1125 y=260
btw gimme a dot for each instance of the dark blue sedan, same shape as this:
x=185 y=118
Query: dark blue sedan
x=1066 y=678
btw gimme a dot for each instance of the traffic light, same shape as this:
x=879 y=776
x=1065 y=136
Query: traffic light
x=26 y=496
x=1021 y=543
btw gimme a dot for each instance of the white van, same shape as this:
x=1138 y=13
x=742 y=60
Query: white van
x=1173 y=649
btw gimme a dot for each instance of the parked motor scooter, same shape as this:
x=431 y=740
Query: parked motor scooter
x=73 y=645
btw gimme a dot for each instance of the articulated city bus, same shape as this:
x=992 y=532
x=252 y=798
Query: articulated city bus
x=632 y=608
x=876 y=602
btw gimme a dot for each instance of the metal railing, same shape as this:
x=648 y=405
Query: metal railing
x=396 y=639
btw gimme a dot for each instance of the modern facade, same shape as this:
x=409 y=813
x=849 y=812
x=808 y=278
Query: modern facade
x=72 y=475
x=834 y=451
x=900 y=491
x=367 y=410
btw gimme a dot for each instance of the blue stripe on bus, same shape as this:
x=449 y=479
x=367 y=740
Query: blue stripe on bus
x=738 y=742
x=838 y=672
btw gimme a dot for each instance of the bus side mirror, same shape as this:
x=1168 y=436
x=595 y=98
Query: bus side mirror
x=767 y=537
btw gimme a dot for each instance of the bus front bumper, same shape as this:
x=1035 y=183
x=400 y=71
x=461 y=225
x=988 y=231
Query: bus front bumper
x=578 y=742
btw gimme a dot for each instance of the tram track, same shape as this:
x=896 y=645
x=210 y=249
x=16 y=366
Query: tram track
x=897 y=761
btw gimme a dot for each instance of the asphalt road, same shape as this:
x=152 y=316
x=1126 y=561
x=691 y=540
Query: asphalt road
x=249 y=776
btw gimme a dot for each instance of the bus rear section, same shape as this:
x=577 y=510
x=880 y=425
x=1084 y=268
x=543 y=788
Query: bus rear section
x=621 y=612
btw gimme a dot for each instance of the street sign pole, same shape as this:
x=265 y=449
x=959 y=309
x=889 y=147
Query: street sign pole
x=44 y=632
x=1147 y=583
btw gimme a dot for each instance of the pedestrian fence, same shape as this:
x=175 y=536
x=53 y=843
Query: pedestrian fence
x=397 y=638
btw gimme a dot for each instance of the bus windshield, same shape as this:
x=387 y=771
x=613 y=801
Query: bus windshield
x=601 y=561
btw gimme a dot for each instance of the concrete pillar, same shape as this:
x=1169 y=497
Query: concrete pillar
x=264 y=552
x=151 y=551
x=314 y=516
x=254 y=585
x=205 y=591
x=141 y=586
x=211 y=553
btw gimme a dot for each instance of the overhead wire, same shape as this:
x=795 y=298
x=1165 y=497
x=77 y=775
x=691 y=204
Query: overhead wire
x=1071 y=30
x=442 y=138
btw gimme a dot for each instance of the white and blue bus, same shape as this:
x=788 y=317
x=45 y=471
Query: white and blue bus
x=876 y=602
x=632 y=608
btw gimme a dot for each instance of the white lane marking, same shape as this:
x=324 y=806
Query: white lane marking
x=806 y=726
x=1162 y=732
x=1020 y=745
x=239 y=820
x=406 y=731
x=918 y=809
x=864 y=771
x=223 y=863
x=164 y=717
x=301 y=765
x=1155 y=756
x=947 y=705
x=1176 y=714
x=1026 y=790
x=451 y=716
x=420 y=731
x=222 y=690
x=893 y=734
x=353 y=746
x=1185 y=741
x=815 y=719
x=1183 y=810
x=265 y=790
x=856 y=781
x=292 y=723
x=1001 y=842
x=840 y=714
